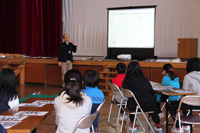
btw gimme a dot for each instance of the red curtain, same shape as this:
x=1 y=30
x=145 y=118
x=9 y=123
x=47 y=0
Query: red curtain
x=31 y=27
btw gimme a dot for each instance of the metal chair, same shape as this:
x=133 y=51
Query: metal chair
x=117 y=95
x=100 y=106
x=87 y=121
x=128 y=94
x=192 y=100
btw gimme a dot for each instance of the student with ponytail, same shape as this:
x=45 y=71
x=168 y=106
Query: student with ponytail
x=72 y=104
x=169 y=79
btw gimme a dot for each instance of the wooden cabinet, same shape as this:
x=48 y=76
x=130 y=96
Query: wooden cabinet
x=35 y=73
x=46 y=71
x=187 y=47
x=106 y=75
x=53 y=75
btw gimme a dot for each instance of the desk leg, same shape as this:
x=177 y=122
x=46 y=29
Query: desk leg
x=167 y=108
x=191 y=130
x=22 y=77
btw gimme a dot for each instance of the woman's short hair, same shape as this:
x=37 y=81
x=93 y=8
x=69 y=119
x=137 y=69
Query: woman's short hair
x=121 y=68
x=193 y=64
x=133 y=70
x=91 y=78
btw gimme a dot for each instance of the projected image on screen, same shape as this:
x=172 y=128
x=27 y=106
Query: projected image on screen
x=131 y=28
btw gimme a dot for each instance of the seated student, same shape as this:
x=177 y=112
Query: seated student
x=118 y=80
x=191 y=82
x=169 y=79
x=9 y=96
x=121 y=69
x=71 y=104
x=91 y=80
x=143 y=91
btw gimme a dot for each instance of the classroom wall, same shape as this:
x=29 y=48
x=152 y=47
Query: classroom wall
x=86 y=22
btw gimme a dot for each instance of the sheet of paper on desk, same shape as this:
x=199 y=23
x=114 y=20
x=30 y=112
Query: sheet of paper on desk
x=162 y=88
x=32 y=113
x=44 y=101
x=9 y=124
x=31 y=104
x=181 y=91
x=155 y=83
x=12 y=118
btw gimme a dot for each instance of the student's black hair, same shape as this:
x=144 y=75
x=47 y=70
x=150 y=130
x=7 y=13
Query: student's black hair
x=73 y=82
x=169 y=69
x=121 y=68
x=133 y=70
x=91 y=78
x=193 y=64
x=8 y=84
x=73 y=74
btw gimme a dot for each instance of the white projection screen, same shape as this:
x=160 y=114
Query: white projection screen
x=131 y=28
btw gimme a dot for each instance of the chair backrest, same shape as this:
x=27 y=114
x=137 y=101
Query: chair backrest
x=100 y=105
x=193 y=100
x=129 y=94
x=86 y=122
x=116 y=90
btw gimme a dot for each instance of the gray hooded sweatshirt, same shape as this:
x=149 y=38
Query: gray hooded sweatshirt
x=191 y=82
x=68 y=114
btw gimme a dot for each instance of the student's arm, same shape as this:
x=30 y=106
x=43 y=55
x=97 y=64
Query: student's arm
x=186 y=82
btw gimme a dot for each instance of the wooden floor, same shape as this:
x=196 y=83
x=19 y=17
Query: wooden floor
x=48 y=125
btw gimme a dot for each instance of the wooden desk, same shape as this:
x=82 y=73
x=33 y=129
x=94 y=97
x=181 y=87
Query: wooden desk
x=18 y=68
x=170 y=92
x=31 y=122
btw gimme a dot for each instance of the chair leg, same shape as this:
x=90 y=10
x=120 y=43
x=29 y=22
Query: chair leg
x=134 y=121
x=168 y=118
x=110 y=113
x=93 y=129
x=122 y=122
x=148 y=122
x=140 y=124
x=163 y=106
x=120 y=107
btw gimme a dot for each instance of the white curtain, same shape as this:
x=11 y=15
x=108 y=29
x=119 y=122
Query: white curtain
x=86 y=22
